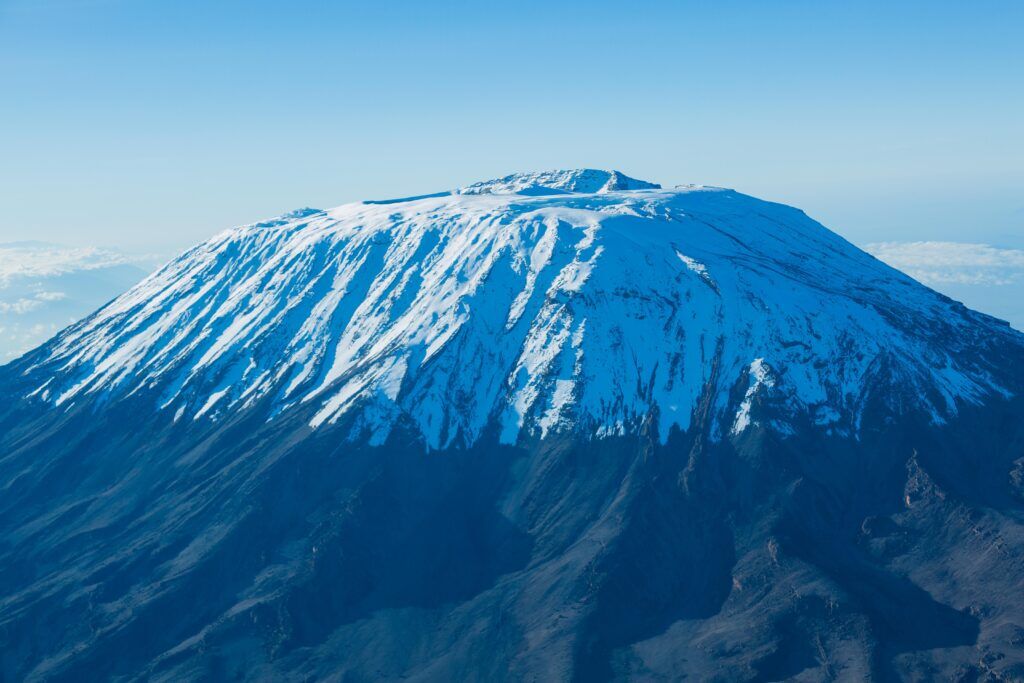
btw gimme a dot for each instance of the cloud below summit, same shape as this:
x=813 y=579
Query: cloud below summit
x=956 y=262
x=45 y=287
x=987 y=278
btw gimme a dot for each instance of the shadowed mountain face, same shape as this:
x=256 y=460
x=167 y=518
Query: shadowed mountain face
x=559 y=426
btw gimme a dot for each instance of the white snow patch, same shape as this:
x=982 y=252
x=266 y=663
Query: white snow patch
x=210 y=403
x=760 y=376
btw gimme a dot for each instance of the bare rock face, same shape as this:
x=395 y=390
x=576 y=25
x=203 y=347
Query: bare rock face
x=562 y=425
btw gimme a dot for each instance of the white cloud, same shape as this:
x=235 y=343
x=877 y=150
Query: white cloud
x=40 y=260
x=23 y=305
x=19 y=306
x=44 y=287
x=962 y=263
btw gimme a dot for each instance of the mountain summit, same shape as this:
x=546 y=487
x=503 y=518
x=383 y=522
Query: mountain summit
x=560 y=425
x=582 y=181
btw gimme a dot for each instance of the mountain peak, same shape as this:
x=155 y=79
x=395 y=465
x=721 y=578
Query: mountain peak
x=572 y=181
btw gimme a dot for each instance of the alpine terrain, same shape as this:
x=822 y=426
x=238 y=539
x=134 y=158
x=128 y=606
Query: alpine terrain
x=556 y=426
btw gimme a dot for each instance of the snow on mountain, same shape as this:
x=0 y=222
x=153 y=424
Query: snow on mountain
x=536 y=303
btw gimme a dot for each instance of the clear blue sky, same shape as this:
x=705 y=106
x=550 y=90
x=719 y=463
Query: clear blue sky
x=150 y=125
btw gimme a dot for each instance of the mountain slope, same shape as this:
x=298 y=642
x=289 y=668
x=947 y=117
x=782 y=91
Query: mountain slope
x=566 y=425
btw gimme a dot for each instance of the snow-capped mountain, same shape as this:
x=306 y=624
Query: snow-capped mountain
x=571 y=300
x=555 y=426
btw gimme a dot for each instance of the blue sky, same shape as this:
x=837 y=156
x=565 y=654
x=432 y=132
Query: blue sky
x=149 y=125
x=143 y=123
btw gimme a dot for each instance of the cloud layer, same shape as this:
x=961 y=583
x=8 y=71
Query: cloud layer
x=937 y=263
x=986 y=278
x=40 y=260
x=31 y=303
x=45 y=287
